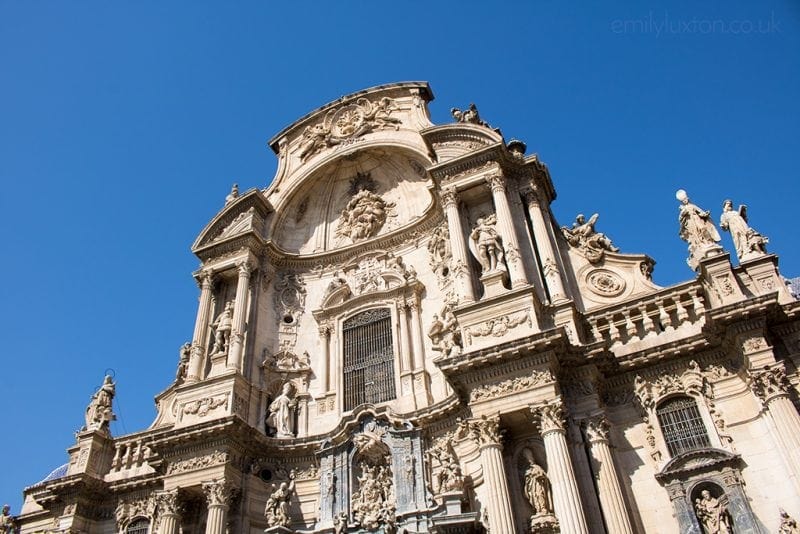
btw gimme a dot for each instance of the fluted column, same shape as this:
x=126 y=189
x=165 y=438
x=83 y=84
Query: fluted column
x=218 y=494
x=547 y=255
x=566 y=498
x=460 y=267
x=497 y=183
x=325 y=341
x=168 y=511
x=608 y=486
x=770 y=385
x=199 y=341
x=402 y=333
x=486 y=434
x=416 y=336
x=239 y=316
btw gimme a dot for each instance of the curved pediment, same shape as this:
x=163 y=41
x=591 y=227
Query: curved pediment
x=450 y=141
x=245 y=215
x=697 y=460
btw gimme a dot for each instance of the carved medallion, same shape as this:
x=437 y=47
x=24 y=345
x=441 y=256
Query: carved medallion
x=605 y=283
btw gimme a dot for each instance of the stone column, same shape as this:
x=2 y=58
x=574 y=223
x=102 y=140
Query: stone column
x=770 y=385
x=325 y=341
x=168 y=511
x=416 y=336
x=516 y=271
x=547 y=254
x=239 y=316
x=199 y=340
x=402 y=333
x=566 y=498
x=460 y=266
x=486 y=433
x=218 y=494
x=608 y=486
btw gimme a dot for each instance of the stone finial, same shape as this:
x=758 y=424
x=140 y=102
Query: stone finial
x=749 y=244
x=517 y=148
x=697 y=229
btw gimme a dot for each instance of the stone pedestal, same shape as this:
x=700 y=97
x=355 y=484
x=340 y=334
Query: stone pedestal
x=493 y=283
x=763 y=271
x=721 y=284
x=452 y=502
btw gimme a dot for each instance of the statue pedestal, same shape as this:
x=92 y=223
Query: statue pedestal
x=219 y=362
x=278 y=530
x=451 y=501
x=544 y=524
x=763 y=272
x=493 y=283
x=722 y=286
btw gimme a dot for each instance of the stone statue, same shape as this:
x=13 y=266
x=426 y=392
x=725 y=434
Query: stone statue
x=373 y=501
x=277 y=509
x=233 y=195
x=444 y=335
x=468 y=115
x=749 y=243
x=183 y=362
x=788 y=524
x=449 y=478
x=713 y=514
x=537 y=487
x=486 y=245
x=282 y=411
x=697 y=230
x=589 y=242
x=7 y=521
x=222 y=326
x=99 y=413
x=340 y=523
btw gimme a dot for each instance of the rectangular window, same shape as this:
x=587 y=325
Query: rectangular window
x=368 y=358
x=682 y=426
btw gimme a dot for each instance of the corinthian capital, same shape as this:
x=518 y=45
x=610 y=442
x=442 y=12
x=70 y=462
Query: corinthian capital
x=244 y=268
x=596 y=429
x=167 y=502
x=497 y=182
x=449 y=197
x=530 y=195
x=218 y=492
x=205 y=280
x=549 y=417
x=769 y=383
x=483 y=431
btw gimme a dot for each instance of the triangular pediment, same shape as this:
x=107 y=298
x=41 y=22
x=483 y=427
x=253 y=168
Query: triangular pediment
x=242 y=216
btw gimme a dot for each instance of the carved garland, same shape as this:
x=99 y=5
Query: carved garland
x=512 y=385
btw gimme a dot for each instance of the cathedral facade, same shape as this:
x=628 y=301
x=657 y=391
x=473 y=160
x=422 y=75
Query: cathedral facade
x=396 y=336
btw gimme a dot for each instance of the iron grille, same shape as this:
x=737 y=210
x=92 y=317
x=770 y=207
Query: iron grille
x=682 y=426
x=368 y=358
x=138 y=526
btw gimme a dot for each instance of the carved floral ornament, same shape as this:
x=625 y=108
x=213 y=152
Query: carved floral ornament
x=131 y=507
x=512 y=385
x=167 y=502
x=500 y=326
x=348 y=122
x=650 y=392
x=202 y=407
x=198 y=462
x=769 y=383
x=218 y=492
x=364 y=215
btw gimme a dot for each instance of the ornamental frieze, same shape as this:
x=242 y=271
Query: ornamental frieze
x=500 y=326
x=512 y=385
x=202 y=407
x=198 y=462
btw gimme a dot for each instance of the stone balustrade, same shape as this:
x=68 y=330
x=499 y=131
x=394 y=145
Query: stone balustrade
x=130 y=454
x=660 y=312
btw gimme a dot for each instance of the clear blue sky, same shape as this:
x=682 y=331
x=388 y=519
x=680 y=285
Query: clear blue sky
x=123 y=125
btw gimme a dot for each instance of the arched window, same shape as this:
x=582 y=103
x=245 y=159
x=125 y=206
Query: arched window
x=368 y=358
x=682 y=425
x=139 y=525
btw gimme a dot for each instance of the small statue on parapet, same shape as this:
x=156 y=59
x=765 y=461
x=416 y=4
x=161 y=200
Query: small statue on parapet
x=183 y=363
x=469 y=115
x=697 y=230
x=8 y=523
x=749 y=243
x=99 y=412
x=277 y=509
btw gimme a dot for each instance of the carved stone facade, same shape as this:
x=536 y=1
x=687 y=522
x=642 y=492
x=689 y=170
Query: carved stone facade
x=396 y=336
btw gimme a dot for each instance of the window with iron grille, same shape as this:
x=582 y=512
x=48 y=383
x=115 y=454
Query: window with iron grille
x=682 y=425
x=138 y=526
x=368 y=358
